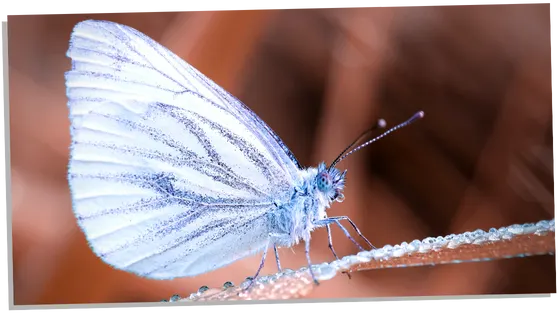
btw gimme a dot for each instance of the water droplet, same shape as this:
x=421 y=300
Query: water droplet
x=164 y=300
x=507 y=235
x=264 y=279
x=553 y=225
x=529 y=228
x=480 y=240
x=353 y=259
x=344 y=263
x=379 y=253
x=413 y=246
x=316 y=267
x=245 y=284
x=275 y=277
x=424 y=248
x=387 y=249
x=426 y=245
x=335 y=264
x=429 y=240
x=439 y=242
x=174 y=298
x=494 y=236
x=325 y=272
x=203 y=289
x=363 y=257
x=515 y=229
x=541 y=232
x=492 y=230
x=478 y=233
x=454 y=243
x=543 y=224
x=398 y=251
x=467 y=237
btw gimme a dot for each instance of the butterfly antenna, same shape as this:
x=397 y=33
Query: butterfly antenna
x=379 y=125
x=343 y=155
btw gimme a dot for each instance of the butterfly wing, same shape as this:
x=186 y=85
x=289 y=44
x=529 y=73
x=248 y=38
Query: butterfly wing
x=170 y=175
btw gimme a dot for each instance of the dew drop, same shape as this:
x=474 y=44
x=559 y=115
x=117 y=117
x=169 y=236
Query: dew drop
x=429 y=240
x=245 y=284
x=425 y=246
x=494 y=236
x=454 y=243
x=515 y=229
x=363 y=257
x=353 y=259
x=543 y=224
x=529 y=228
x=335 y=264
x=325 y=272
x=507 y=235
x=541 y=232
x=398 y=251
x=480 y=240
x=379 y=254
x=413 y=246
x=263 y=279
x=479 y=233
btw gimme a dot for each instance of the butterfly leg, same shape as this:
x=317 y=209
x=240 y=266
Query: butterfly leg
x=332 y=247
x=348 y=235
x=328 y=221
x=337 y=219
x=277 y=258
x=258 y=270
x=309 y=263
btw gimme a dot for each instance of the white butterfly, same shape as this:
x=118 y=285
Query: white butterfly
x=170 y=175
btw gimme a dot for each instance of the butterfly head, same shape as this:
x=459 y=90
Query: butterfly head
x=330 y=182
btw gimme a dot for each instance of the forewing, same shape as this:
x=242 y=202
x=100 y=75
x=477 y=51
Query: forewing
x=164 y=164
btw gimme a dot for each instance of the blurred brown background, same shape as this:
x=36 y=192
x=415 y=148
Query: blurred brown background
x=481 y=158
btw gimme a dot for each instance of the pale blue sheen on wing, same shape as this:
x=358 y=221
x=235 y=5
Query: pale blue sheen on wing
x=170 y=175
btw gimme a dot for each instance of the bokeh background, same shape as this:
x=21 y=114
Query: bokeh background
x=481 y=158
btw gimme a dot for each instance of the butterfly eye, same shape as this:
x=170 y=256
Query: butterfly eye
x=324 y=182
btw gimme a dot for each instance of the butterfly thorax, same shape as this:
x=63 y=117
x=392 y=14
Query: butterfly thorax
x=295 y=219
